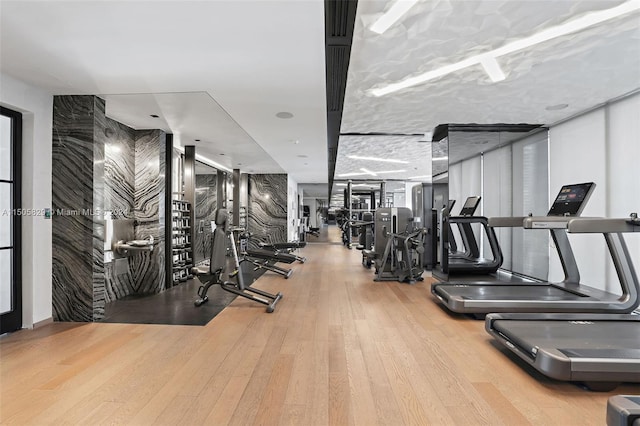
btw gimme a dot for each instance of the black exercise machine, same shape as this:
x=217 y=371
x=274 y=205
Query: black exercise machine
x=267 y=259
x=212 y=274
x=398 y=246
x=287 y=248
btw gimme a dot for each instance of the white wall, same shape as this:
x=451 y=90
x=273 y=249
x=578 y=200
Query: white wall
x=313 y=216
x=497 y=198
x=601 y=146
x=530 y=193
x=292 y=209
x=36 y=107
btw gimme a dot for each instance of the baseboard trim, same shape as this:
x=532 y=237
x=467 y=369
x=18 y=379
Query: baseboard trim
x=43 y=322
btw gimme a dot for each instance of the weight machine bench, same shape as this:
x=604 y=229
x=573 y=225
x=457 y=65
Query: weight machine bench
x=286 y=248
x=212 y=274
x=266 y=259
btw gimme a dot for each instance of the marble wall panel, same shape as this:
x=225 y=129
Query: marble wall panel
x=149 y=198
x=119 y=184
x=119 y=170
x=77 y=228
x=267 y=213
x=206 y=204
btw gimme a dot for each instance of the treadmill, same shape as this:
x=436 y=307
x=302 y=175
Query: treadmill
x=623 y=410
x=470 y=261
x=568 y=295
x=598 y=350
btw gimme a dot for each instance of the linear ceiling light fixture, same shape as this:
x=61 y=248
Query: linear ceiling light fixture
x=352 y=174
x=385 y=160
x=368 y=172
x=489 y=58
x=492 y=68
x=395 y=12
x=440 y=158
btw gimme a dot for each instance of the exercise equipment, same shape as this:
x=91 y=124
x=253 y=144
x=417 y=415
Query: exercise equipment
x=262 y=258
x=212 y=274
x=287 y=248
x=470 y=261
x=623 y=410
x=421 y=203
x=598 y=350
x=266 y=259
x=398 y=246
x=569 y=295
x=365 y=236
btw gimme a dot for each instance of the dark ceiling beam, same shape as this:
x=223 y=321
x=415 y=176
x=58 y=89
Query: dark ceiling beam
x=339 y=20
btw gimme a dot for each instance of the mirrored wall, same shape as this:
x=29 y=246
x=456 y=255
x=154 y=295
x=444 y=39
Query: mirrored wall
x=206 y=204
x=506 y=167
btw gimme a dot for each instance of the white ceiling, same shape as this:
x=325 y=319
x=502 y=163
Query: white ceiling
x=583 y=69
x=219 y=71
x=413 y=151
x=252 y=59
x=194 y=119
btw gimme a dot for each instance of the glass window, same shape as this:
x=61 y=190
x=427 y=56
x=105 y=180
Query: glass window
x=5 y=148
x=5 y=281
x=5 y=215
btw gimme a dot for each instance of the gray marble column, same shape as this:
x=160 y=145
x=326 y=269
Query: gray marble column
x=77 y=202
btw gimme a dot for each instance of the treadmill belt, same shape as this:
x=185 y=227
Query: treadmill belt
x=508 y=292
x=581 y=336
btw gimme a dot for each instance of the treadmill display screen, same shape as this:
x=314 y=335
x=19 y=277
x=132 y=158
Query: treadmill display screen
x=571 y=199
x=470 y=206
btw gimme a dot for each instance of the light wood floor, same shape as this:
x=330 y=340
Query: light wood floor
x=339 y=350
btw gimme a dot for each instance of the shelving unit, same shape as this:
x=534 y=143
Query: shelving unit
x=181 y=250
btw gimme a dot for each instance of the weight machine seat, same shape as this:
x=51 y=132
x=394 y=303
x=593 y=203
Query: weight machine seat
x=270 y=255
x=284 y=246
x=200 y=270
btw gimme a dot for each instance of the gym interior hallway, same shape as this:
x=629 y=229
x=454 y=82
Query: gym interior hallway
x=340 y=349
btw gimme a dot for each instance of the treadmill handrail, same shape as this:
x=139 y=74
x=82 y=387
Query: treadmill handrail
x=596 y=225
x=548 y=222
x=506 y=221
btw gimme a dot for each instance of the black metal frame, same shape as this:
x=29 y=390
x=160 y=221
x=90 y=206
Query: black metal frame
x=214 y=277
x=12 y=320
x=168 y=207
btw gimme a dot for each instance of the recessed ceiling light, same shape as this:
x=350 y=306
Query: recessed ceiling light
x=572 y=26
x=395 y=12
x=556 y=107
x=154 y=116
x=440 y=158
x=385 y=160
x=284 y=115
x=303 y=156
